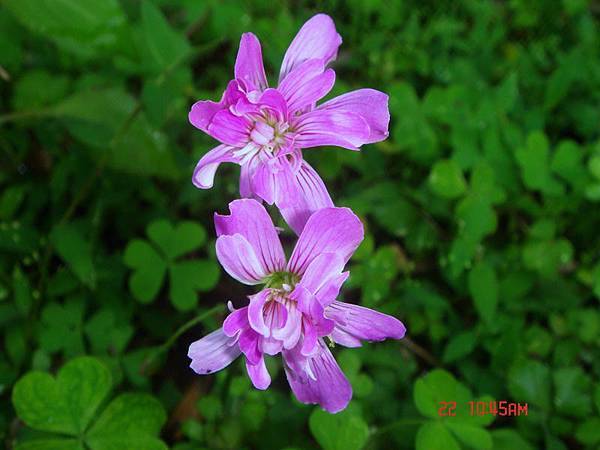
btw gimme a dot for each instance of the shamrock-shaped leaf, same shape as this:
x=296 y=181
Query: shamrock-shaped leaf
x=129 y=421
x=345 y=430
x=446 y=431
x=151 y=261
x=64 y=404
x=60 y=327
x=535 y=165
x=107 y=333
x=76 y=251
x=529 y=381
x=69 y=404
x=446 y=179
x=483 y=286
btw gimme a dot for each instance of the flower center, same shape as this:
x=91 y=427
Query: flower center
x=268 y=134
x=281 y=281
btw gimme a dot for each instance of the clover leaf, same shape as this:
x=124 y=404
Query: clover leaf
x=67 y=409
x=345 y=430
x=445 y=431
x=151 y=260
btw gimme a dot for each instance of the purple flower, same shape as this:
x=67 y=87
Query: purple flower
x=264 y=129
x=296 y=313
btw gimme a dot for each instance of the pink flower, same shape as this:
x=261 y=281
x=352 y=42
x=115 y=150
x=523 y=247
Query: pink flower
x=264 y=129
x=296 y=313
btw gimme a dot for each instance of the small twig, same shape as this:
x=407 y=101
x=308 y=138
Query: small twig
x=197 y=24
x=4 y=74
x=397 y=423
x=18 y=115
x=420 y=351
x=158 y=351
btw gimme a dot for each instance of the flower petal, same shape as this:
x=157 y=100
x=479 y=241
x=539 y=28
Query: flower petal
x=258 y=373
x=239 y=260
x=236 y=321
x=370 y=104
x=314 y=320
x=204 y=173
x=358 y=322
x=329 y=230
x=309 y=191
x=247 y=173
x=255 y=312
x=249 y=63
x=213 y=352
x=290 y=333
x=316 y=39
x=248 y=344
x=273 y=100
x=331 y=127
x=329 y=388
x=250 y=219
x=264 y=183
x=202 y=112
x=306 y=84
x=230 y=129
x=320 y=271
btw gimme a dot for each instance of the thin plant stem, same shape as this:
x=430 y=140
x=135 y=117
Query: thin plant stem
x=420 y=351
x=158 y=351
x=398 y=423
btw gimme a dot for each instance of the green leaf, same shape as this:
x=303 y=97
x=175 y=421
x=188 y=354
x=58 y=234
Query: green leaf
x=483 y=286
x=83 y=30
x=507 y=439
x=567 y=162
x=529 y=381
x=39 y=88
x=143 y=150
x=342 y=431
x=471 y=435
x=10 y=201
x=594 y=166
x=535 y=165
x=412 y=132
x=211 y=407
x=435 y=436
x=65 y=404
x=50 y=444
x=459 y=346
x=181 y=290
x=76 y=251
x=164 y=45
x=107 y=333
x=129 y=421
x=375 y=275
x=60 y=327
x=559 y=83
x=572 y=391
x=176 y=241
x=446 y=179
x=149 y=270
x=435 y=387
x=547 y=256
x=107 y=121
x=589 y=431
x=22 y=291
x=188 y=276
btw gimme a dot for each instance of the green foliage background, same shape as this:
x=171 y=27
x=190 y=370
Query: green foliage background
x=482 y=212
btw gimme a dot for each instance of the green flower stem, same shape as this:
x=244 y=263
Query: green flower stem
x=30 y=114
x=398 y=423
x=420 y=351
x=158 y=351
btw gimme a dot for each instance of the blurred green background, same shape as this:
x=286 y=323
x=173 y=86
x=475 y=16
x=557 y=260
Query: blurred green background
x=481 y=210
